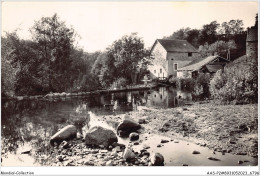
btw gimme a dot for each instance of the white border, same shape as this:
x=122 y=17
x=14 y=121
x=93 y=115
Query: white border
x=165 y=170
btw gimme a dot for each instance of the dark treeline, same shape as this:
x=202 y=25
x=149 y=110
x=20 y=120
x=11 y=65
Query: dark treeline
x=52 y=62
x=214 y=38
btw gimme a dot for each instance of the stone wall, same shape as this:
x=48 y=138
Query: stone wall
x=252 y=49
x=181 y=59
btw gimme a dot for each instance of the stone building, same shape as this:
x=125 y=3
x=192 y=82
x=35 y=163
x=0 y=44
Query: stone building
x=252 y=41
x=169 y=55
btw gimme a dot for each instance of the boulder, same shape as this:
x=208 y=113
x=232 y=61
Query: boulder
x=66 y=133
x=129 y=155
x=98 y=135
x=133 y=136
x=127 y=126
x=157 y=159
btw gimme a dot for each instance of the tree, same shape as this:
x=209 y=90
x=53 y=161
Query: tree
x=126 y=59
x=209 y=33
x=193 y=37
x=232 y=27
x=55 y=41
x=8 y=71
x=218 y=48
x=81 y=77
x=181 y=34
x=104 y=69
x=130 y=57
x=28 y=77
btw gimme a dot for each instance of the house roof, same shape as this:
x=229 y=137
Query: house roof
x=176 y=46
x=252 y=34
x=198 y=63
x=214 y=68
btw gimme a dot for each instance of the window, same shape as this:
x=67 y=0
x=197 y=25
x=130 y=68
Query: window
x=154 y=71
x=175 y=66
x=189 y=54
x=160 y=70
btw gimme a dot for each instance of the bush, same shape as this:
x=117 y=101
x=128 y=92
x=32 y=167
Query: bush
x=175 y=82
x=199 y=87
x=202 y=85
x=237 y=83
x=187 y=83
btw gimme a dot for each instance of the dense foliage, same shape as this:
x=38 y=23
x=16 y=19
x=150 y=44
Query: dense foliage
x=8 y=72
x=49 y=63
x=237 y=82
x=214 y=38
x=126 y=59
x=199 y=86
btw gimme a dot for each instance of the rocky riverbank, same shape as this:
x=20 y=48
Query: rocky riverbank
x=223 y=128
x=100 y=147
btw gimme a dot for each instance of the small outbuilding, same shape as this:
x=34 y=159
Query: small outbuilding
x=210 y=64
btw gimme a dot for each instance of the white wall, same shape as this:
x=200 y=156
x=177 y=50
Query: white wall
x=159 y=62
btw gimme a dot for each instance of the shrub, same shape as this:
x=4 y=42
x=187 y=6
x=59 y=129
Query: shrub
x=237 y=83
x=199 y=87
x=175 y=82
x=202 y=85
x=187 y=83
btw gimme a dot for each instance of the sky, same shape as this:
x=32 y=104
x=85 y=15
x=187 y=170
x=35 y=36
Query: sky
x=100 y=23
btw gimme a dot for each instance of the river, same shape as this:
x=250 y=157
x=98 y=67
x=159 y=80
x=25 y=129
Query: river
x=29 y=124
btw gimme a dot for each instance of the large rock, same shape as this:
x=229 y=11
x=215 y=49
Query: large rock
x=100 y=136
x=129 y=154
x=157 y=159
x=127 y=126
x=66 y=133
x=133 y=136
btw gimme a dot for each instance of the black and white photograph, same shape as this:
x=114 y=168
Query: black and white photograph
x=129 y=84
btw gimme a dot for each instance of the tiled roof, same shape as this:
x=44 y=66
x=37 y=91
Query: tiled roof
x=197 y=64
x=252 y=34
x=177 y=46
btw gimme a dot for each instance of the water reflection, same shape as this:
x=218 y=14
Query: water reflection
x=33 y=122
x=167 y=98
